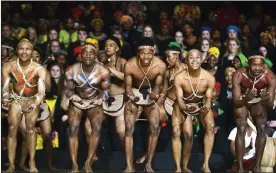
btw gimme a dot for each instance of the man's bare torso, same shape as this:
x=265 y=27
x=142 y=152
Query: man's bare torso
x=138 y=76
x=87 y=85
x=247 y=81
x=24 y=80
x=202 y=86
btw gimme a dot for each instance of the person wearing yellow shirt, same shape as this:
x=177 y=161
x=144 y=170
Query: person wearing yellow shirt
x=17 y=30
x=68 y=34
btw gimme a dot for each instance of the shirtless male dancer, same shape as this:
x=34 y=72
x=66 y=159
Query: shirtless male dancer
x=44 y=122
x=28 y=90
x=194 y=89
x=86 y=86
x=254 y=93
x=143 y=80
x=167 y=97
x=114 y=106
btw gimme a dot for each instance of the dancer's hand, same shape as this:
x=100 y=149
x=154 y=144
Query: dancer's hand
x=29 y=109
x=250 y=94
x=98 y=102
x=204 y=110
x=161 y=99
x=6 y=104
x=134 y=98
x=76 y=98
x=264 y=96
x=153 y=96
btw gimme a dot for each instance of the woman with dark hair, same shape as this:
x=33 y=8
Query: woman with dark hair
x=190 y=38
x=126 y=49
x=204 y=46
x=60 y=117
x=268 y=62
x=225 y=97
x=179 y=38
x=248 y=42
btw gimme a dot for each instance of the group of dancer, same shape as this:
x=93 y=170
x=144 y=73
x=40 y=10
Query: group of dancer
x=126 y=89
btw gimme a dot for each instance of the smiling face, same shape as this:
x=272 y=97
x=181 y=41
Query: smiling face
x=145 y=56
x=205 y=45
x=256 y=66
x=148 y=31
x=228 y=77
x=233 y=46
x=25 y=51
x=194 y=60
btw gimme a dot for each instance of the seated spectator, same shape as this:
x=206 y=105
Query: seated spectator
x=52 y=34
x=220 y=144
x=204 y=47
x=97 y=31
x=126 y=49
x=32 y=35
x=206 y=32
x=179 y=38
x=217 y=40
x=189 y=37
x=129 y=33
x=42 y=30
x=264 y=53
x=233 y=49
x=225 y=97
x=248 y=42
x=250 y=150
x=164 y=37
x=68 y=34
x=82 y=36
x=61 y=59
x=17 y=30
x=211 y=65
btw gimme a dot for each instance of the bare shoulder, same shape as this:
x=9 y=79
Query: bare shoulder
x=239 y=72
x=130 y=64
x=184 y=66
x=122 y=61
x=157 y=62
x=103 y=69
x=72 y=67
x=180 y=76
x=8 y=65
x=270 y=75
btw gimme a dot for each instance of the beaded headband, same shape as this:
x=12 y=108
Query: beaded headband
x=146 y=47
x=23 y=41
x=88 y=46
x=255 y=57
